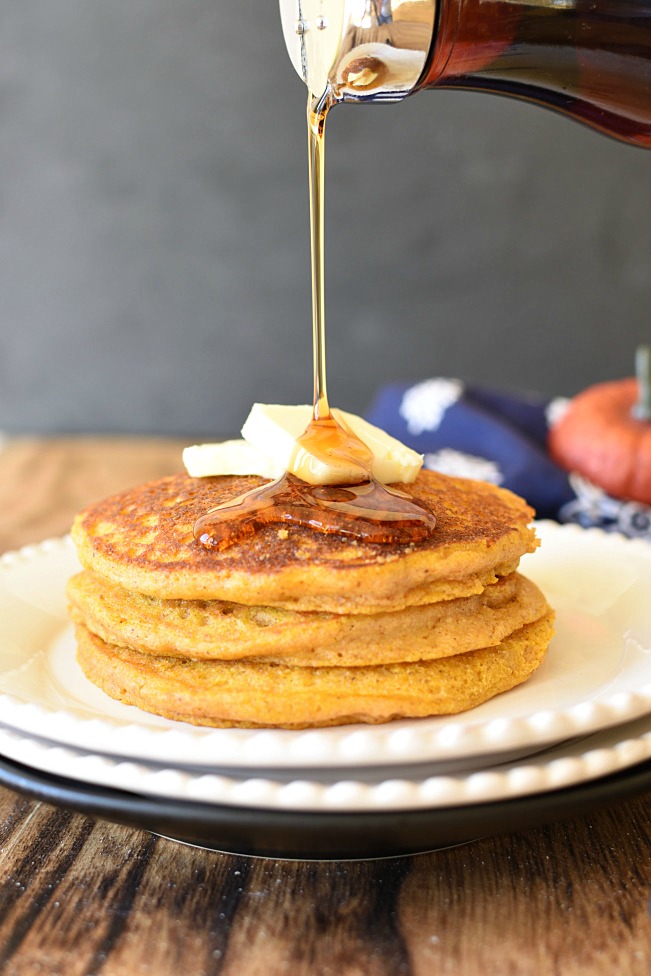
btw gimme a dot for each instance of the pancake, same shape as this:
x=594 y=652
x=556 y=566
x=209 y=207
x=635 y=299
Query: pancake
x=142 y=539
x=218 y=630
x=253 y=694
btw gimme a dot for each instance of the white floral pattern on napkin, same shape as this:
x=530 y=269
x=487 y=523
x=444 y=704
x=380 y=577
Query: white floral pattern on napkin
x=460 y=465
x=424 y=405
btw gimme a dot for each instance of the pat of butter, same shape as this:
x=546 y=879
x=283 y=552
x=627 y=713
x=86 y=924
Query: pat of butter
x=229 y=457
x=269 y=448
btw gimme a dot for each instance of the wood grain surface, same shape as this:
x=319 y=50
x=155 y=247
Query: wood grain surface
x=80 y=897
x=43 y=484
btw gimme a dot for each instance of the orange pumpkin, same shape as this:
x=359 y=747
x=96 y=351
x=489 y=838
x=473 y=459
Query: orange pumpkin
x=600 y=438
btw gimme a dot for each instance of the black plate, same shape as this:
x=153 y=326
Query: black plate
x=321 y=836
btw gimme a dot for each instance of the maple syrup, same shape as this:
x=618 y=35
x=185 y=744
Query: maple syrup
x=365 y=509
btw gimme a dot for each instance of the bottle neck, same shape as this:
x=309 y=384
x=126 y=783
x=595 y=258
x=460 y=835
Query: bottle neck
x=359 y=50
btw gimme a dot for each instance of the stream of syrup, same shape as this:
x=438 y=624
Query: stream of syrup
x=365 y=509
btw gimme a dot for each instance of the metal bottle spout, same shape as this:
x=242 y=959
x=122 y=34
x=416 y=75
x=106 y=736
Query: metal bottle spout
x=359 y=50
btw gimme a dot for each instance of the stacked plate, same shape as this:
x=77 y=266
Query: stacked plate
x=577 y=734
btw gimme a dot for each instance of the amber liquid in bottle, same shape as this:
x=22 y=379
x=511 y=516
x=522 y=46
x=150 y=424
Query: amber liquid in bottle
x=365 y=509
x=590 y=59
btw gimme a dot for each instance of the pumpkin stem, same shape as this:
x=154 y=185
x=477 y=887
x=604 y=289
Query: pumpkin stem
x=642 y=409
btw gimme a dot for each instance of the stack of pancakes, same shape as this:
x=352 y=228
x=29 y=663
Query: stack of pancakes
x=293 y=628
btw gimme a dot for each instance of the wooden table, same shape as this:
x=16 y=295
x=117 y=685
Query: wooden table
x=80 y=898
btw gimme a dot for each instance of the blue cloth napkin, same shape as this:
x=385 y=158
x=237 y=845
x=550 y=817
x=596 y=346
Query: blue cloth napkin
x=473 y=432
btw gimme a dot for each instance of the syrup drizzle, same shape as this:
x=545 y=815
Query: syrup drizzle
x=364 y=510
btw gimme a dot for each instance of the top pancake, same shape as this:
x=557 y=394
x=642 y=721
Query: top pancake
x=143 y=540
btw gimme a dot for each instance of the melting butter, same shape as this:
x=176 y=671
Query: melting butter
x=270 y=447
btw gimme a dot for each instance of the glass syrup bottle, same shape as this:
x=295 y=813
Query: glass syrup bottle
x=589 y=59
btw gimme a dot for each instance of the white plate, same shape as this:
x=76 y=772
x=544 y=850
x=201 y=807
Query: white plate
x=561 y=766
x=597 y=674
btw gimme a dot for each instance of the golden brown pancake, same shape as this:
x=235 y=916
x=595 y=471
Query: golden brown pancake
x=253 y=694
x=293 y=628
x=143 y=540
x=217 y=630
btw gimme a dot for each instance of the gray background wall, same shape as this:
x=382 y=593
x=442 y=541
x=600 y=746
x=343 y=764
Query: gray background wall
x=153 y=228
